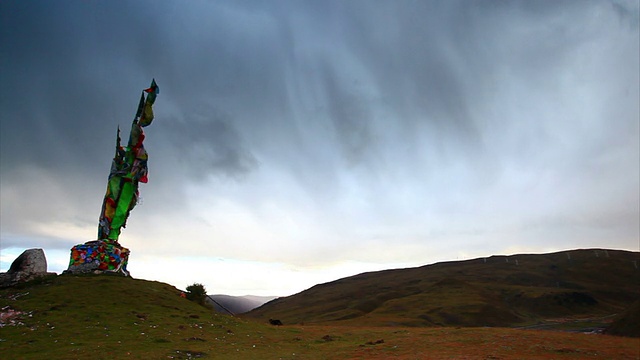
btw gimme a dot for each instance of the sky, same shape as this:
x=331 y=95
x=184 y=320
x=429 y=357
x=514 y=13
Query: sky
x=299 y=142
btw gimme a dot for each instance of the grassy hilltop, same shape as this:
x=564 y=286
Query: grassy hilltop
x=112 y=317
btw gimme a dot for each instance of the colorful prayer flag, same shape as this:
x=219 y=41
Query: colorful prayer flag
x=129 y=167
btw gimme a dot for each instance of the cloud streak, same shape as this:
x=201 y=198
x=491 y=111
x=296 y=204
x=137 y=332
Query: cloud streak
x=331 y=137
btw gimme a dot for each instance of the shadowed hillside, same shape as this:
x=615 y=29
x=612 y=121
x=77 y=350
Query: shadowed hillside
x=627 y=323
x=515 y=290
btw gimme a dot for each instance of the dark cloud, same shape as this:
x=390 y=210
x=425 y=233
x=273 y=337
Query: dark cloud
x=628 y=11
x=351 y=117
x=206 y=142
x=66 y=117
x=304 y=126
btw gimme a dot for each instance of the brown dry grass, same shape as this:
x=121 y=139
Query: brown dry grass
x=338 y=342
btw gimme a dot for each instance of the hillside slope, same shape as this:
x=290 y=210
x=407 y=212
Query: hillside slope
x=115 y=317
x=627 y=323
x=513 y=290
x=109 y=317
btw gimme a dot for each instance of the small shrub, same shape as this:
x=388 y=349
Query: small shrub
x=196 y=292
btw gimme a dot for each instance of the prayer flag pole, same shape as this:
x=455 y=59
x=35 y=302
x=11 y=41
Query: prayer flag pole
x=128 y=168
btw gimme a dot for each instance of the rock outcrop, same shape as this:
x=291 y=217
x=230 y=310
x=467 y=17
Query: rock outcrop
x=31 y=264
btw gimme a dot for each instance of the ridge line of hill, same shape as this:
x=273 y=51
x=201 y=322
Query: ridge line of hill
x=500 y=290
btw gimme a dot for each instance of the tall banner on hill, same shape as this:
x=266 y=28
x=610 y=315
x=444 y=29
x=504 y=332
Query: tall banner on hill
x=128 y=169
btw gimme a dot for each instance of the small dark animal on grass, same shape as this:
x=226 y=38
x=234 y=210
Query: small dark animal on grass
x=275 y=322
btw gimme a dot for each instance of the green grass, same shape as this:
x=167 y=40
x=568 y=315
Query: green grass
x=112 y=317
x=109 y=317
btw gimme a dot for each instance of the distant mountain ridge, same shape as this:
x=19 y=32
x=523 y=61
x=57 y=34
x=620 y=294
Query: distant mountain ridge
x=515 y=290
x=237 y=304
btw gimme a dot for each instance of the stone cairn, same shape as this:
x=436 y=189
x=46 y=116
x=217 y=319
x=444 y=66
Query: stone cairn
x=98 y=256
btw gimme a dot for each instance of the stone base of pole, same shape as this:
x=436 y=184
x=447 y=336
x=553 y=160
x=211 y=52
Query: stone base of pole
x=98 y=256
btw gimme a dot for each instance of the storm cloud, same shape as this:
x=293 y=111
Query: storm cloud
x=306 y=140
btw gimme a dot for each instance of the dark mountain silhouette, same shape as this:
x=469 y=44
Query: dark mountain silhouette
x=237 y=304
x=516 y=290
